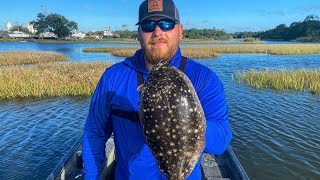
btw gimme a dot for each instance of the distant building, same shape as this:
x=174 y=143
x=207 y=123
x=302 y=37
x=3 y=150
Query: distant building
x=19 y=34
x=31 y=28
x=4 y=35
x=93 y=36
x=78 y=35
x=9 y=25
x=107 y=33
x=48 y=35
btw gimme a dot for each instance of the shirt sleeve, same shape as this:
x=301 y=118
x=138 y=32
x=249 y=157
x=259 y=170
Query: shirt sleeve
x=97 y=131
x=218 y=132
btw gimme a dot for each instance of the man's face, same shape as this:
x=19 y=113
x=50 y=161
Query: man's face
x=160 y=45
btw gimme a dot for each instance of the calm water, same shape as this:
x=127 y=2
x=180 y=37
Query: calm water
x=276 y=134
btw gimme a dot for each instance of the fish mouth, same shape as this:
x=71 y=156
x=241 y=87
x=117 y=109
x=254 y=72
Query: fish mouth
x=158 y=65
x=161 y=63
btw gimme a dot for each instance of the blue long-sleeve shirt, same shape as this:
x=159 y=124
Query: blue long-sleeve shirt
x=117 y=90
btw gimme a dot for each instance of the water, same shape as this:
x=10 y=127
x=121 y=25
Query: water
x=275 y=133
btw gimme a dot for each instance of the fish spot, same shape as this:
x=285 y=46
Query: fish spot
x=175 y=150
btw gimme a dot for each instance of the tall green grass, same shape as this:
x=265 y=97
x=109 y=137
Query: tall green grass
x=199 y=52
x=29 y=57
x=50 y=80
x=285 y=80
x=191 y=52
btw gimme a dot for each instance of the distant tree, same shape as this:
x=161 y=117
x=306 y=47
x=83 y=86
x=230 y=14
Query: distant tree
x=308 y=30
x=206 y=34
x=312 y=17
x=127 y=34
x=55 y=23
x=20 y=28
x=124 y=26
x=245 y=34
x=40 y=24
x=60 y=25
x=98 y=33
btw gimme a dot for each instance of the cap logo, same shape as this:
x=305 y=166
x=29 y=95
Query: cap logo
x=155 y=5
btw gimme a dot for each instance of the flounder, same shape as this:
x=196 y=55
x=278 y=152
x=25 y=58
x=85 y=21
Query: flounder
x=172 y=120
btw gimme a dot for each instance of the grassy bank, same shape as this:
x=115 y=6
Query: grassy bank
x=107 y=41
x=199 y=52
x=50 y=80
x=284 y=80
x=29 y=57
x=125 y=41
x=275 y=49
x=191 y=52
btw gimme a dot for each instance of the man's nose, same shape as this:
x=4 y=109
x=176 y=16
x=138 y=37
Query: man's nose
x=157 y=31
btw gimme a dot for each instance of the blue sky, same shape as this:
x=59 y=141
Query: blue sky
x=230 y=15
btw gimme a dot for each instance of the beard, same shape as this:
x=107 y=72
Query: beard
x=154 y=54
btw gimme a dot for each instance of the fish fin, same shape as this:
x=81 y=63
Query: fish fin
x=140 y=88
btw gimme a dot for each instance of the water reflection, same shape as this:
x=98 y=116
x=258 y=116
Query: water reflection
x=35 y=134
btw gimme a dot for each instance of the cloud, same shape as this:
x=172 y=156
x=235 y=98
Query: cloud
x=87 y=7
x=307 y=8
x=189 y=23
x=205 y=22
x=264 y=12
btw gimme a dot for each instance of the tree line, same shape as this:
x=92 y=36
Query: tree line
x=307 y=30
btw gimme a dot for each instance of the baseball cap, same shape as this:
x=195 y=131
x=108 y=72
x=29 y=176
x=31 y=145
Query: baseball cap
x=158 y=8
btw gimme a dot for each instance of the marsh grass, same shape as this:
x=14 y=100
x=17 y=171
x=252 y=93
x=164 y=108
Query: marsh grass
x=284 y=80
x=29 y=57
x=199 y=52
x=50 y=80
x=191 y=52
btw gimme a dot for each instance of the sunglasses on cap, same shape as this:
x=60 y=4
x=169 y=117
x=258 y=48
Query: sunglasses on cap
x=164 y=25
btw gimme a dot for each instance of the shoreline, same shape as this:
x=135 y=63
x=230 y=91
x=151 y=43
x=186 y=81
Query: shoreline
x=129 y=41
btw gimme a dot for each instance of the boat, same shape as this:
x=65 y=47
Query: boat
x=224 y=166
x=18 y=34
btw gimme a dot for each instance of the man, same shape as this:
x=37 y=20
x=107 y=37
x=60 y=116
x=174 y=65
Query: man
x=114 y=107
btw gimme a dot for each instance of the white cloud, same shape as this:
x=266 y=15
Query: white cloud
x=264 y=12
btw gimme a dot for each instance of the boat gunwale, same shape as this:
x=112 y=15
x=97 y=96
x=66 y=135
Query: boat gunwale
x=228 y=157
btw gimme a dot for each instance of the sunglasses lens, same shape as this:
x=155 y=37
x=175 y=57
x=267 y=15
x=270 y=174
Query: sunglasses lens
x=148 y=27
x=164 y=25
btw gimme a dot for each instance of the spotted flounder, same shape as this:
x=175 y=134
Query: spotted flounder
x=172 y=120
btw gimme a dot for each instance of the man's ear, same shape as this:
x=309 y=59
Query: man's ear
x=180 y=31
x=139 y=33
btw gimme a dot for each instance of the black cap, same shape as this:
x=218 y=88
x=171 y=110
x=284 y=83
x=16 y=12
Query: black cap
x=158 y=8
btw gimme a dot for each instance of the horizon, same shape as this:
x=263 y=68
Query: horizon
x=230 y=16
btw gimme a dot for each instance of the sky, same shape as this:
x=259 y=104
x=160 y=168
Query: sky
x=229 y=15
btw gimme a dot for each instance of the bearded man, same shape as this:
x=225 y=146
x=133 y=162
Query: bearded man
x=115 y=103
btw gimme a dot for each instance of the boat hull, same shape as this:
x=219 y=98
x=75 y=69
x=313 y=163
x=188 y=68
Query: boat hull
x=224 y=166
